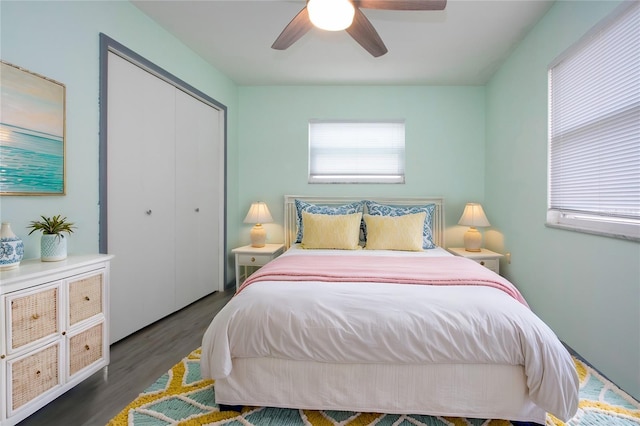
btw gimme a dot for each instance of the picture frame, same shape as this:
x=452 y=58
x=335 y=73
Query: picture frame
x=32 y=133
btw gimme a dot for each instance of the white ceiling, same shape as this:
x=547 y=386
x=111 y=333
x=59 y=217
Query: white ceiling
x=462 y=45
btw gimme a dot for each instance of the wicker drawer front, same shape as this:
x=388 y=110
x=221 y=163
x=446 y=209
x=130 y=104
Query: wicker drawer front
x=85 y=348
x=33 y=317
x=85 y=298
x=34 y=375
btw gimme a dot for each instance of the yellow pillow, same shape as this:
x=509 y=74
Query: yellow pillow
x=395 y=232
x=326 y=231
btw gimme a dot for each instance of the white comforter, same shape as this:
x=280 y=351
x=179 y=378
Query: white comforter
x=392 y=323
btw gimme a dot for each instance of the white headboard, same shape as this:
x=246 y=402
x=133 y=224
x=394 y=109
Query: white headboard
x=290 y=227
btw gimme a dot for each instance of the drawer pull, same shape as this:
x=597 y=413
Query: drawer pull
x=38 y=373
x=87 y=298
x=35 y=316
x=482 y=262
x=64 y=333
x=87 y=347
x=2 y=356
x=253 y=259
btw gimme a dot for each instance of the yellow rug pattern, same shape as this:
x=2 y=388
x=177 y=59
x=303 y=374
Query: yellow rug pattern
x=182 y=398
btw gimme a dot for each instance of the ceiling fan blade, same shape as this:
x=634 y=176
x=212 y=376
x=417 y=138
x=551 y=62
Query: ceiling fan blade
x=294 y=30
x=402 y=4
x=363 y=32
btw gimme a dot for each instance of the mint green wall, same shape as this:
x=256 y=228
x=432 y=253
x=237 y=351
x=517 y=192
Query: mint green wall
x=60 y=40
x=586 y=287
x=444 y=144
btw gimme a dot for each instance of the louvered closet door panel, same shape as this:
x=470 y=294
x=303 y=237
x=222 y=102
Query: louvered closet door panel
x=198 y=217
x=141 y=196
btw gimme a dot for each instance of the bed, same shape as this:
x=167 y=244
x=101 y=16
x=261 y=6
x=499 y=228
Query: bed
x=407 y=330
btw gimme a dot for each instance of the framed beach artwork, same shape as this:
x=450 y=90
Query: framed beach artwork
x=32 y=133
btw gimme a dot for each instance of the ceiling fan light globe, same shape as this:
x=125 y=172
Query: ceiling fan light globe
x=331 y=15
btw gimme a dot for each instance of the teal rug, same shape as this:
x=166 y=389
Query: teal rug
x=181 y=398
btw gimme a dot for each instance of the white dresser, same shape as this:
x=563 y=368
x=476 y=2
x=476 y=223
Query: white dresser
x=54 y=330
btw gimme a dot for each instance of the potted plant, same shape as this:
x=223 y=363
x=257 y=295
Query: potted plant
x=53 y=244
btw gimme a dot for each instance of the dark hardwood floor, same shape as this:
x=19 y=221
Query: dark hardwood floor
x=136 y=362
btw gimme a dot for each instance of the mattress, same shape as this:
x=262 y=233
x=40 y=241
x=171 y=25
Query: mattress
x=316 y=330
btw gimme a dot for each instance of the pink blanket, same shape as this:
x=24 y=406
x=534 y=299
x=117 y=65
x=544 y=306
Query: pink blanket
x=382 y=269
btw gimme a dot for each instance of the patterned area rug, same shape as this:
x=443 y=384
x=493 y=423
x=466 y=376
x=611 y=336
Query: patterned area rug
x=182 y=398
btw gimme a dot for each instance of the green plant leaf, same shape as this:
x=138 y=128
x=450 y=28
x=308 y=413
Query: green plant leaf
x=54 y=225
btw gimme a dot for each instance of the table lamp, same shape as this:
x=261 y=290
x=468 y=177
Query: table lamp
x=473 y=216
x=258 y=214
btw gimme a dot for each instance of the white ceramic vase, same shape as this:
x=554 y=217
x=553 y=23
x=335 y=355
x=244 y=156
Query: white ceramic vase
x=53 y=247
x=11 y=248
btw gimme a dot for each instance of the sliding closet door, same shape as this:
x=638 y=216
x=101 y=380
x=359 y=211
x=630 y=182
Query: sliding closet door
x=162 y=207
x=141 y=196
x=198 y=213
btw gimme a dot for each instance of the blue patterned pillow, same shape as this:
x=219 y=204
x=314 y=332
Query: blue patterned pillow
x=301 y=206
x=377 y=209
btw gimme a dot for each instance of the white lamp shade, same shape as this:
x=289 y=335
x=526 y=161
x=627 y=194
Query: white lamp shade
x=331 y=15
x=258 y=213
x=473 y=215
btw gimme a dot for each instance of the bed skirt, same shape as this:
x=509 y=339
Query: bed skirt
x=459 y=390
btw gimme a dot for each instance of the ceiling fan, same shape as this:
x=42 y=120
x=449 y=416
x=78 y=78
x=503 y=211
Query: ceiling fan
x=336 y=15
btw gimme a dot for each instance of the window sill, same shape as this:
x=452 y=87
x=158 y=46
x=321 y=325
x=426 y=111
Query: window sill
x=592 y=231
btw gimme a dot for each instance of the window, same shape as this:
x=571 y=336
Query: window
x=594 y=130
x=356 y=151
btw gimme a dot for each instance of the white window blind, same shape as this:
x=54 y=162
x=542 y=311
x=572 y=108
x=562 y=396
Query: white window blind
x=594 y=130
x=356 y=151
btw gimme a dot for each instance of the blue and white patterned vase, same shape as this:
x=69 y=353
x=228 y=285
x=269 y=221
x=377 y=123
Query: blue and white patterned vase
x=53 y=247
x=11 y=248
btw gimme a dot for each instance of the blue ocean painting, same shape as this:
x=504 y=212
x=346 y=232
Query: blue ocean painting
x=32 y=143
x=30 y=161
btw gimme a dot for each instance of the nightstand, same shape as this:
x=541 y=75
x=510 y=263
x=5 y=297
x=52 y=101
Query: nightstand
x=251 y=258
x=486 y=258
